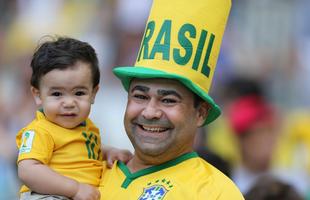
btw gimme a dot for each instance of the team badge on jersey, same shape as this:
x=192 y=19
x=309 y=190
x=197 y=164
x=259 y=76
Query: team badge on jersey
x=156 y=191
x=27 y=140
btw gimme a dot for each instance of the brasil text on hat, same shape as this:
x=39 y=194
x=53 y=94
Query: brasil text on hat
x=181 y=41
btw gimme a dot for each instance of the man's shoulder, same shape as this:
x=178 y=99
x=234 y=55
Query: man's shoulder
x=198 y=168
x=215 y=182
x=206 y=180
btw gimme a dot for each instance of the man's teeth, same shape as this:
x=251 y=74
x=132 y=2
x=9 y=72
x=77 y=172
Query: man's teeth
x=153 y=129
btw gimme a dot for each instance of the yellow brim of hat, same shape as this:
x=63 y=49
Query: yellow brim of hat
x=126 y=74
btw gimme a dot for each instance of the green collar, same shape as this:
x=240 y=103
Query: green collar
x=132 y=176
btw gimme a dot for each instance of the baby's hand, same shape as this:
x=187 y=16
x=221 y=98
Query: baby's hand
x=112 y=154
x=86 y=192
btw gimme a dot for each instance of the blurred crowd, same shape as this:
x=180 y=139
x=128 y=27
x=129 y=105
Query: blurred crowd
x=261 y=83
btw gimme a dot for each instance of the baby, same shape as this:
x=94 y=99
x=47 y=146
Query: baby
x=60 y=153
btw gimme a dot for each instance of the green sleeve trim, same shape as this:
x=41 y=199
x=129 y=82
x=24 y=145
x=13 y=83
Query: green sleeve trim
x=132 y=176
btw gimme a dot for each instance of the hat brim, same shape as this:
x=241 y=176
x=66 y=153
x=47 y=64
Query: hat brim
x=126 y=74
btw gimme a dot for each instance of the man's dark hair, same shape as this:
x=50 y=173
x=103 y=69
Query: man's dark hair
x=197 y=100
x=62 y=53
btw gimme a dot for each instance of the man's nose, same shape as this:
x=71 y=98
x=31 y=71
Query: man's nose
x=152 y=110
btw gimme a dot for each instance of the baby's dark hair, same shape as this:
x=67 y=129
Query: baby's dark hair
x=272 y=188
x=62 y=53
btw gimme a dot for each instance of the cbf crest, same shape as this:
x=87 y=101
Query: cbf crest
x=156 y=190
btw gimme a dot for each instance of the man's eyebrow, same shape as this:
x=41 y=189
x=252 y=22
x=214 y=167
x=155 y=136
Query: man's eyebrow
x=140 y=88
x=169 y=92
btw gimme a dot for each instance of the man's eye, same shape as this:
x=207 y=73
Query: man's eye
x=168 y=101
x=140 y=96
x=56 y=94
x=80 y=93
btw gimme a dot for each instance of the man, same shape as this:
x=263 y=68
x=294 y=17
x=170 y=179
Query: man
x=167 y=102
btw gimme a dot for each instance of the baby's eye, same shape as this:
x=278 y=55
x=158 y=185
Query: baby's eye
x=56 y=94
x=80 y=93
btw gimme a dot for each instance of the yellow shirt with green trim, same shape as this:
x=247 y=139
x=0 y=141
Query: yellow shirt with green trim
x=74 y=153
x=186 y=177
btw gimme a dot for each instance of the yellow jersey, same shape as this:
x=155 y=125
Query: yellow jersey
x=186 y=177
x=74 y=153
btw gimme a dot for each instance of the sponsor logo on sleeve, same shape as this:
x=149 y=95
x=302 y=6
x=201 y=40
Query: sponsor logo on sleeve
x=27 y=140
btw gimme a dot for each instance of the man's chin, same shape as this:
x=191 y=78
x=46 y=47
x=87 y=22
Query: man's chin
x=153 y=150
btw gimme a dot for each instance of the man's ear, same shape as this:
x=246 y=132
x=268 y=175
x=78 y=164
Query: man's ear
x=203 y=111
x=36 y=95
x=93 y=96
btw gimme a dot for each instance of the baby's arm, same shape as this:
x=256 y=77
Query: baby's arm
x=41 y=179
x=110 y=154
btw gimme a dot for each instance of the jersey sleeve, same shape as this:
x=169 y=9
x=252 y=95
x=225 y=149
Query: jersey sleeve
x=35 y=144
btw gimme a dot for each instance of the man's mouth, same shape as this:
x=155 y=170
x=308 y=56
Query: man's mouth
x=153 y=129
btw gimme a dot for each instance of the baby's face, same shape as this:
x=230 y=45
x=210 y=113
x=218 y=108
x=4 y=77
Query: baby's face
x=66 y=95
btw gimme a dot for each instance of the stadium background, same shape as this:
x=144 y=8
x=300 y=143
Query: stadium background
x=265 y=40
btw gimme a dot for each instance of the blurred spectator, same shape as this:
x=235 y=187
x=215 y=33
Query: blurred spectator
x=253 y=121
x=271 y=188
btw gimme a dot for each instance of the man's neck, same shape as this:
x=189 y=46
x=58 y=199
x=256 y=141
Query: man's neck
x=142 y=162
x=136 y=164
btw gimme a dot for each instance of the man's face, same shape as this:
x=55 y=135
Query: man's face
x=160 y=117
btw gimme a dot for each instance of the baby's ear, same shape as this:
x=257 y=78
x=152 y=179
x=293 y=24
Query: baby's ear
x=95 y=90
x=36 y=95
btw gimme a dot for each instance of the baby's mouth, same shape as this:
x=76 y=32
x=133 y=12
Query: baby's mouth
x=68 y=115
